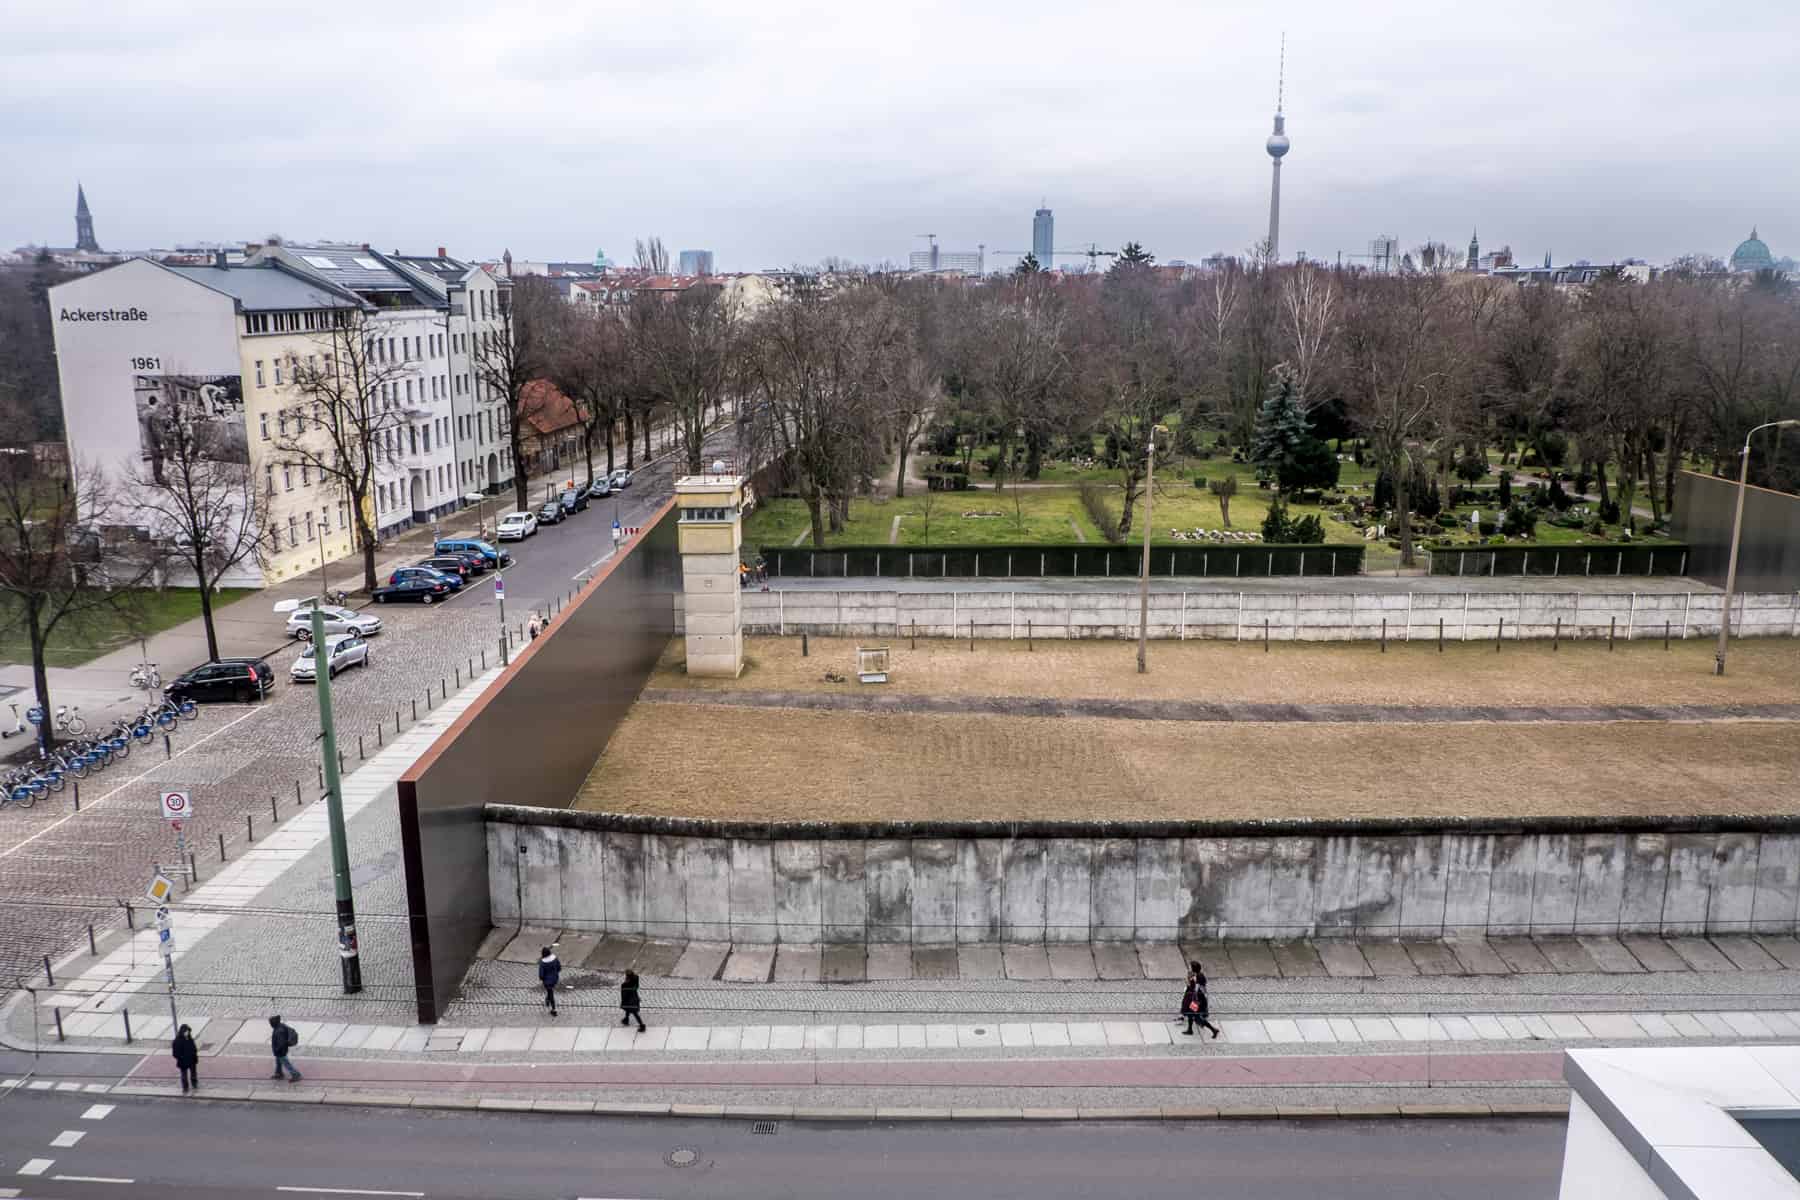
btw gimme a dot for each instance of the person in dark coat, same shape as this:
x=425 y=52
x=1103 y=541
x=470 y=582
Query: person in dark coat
x=282 y=1038
x=1194 y=1005
x=549 y=972
x=629 y=1001
x=187 y=1057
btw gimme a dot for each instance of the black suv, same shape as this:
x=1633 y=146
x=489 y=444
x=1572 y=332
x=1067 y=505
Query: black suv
x=237 y=679
x=574 y=500
x=551 y=514
x=449 y=564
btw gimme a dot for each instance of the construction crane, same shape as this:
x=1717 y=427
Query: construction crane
x=1093 y=254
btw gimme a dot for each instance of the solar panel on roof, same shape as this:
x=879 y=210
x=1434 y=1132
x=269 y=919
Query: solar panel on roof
x=320 y=261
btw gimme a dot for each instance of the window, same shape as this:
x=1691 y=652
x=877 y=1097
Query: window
x=259 y=374
x=262 y=420
x=309 y=525
x=287 y=479
x=324 y=520
x=305 y=475
x=293 y=531
x=343 y=515
x=390 y=349
x=428 y=439
x=269 y=482
x=281 y=421
x=278 y=372
x=274 y=539
x=409 y=392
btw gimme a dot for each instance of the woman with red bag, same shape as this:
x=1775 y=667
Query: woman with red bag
x=1194 y=1006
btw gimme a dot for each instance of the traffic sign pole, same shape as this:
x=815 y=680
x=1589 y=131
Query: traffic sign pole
x=500 y=595
x=349 y=956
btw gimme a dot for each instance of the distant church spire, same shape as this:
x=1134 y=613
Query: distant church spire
x=1474 y=250
x=84 y=224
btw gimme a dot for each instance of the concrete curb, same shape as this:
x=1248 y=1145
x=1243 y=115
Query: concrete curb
x=779 y=1112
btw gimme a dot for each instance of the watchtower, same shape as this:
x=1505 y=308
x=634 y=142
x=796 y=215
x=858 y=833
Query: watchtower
x=710 y=529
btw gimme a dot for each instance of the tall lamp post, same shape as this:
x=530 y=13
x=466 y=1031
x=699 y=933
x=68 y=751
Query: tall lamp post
x=1144 y=577
x=349 y=954
x=1737 y=529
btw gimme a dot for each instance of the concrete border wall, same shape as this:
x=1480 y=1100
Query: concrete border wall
x=1286 y=616
x=592 y=871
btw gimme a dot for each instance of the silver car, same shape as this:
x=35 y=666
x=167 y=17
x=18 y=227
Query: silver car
x=337 y=620
x=341 y=650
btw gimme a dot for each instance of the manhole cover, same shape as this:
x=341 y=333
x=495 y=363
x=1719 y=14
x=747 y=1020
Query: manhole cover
x=762 y=1127
x=682 y=1156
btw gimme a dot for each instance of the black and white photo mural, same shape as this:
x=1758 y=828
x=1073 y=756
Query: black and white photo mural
x=211 y=407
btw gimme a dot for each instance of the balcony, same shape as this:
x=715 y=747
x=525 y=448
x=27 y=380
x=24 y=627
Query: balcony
x=414 y=460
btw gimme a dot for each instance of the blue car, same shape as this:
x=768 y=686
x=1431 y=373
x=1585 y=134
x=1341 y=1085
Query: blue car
x=491 y=555
x=454 y=581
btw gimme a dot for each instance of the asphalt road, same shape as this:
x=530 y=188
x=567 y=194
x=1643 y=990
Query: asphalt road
x=156 y=1149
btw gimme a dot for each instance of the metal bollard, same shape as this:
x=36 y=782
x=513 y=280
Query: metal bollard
x=360 y=753
x=1665 y=635
x=92 y=948
x=1612 y=628
x=126 y=1013
x=1028 y=636
x=915 y=635
x=1556 y=638
x=1384 y=635
x=804 y=648
x=1499 y=634
x=129 y=922
x=484 y=658
x=1440 y=635
x=1265 y=635
x=249 y=829
x=297 y=800
x=194 y=869
x=320 y=767
x=415 y=705
x=59 y=1029
x=379 y=740
x=48 y=977
x=340 y=762
x=459 y=679
x=971 y=637
x=77 y=795
x=274 y=813
x=168 y=751
x=221 y=847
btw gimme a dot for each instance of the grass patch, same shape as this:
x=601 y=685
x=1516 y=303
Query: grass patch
x=80 y=640
x=1041 y=515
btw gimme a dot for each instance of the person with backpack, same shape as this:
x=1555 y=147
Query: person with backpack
x=629 y=1001
x=187 y=1058
x=549 y=973
x=1195 y=1008
x=282 y=1038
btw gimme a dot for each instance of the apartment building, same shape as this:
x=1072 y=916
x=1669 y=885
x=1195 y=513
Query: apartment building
x=220 y=340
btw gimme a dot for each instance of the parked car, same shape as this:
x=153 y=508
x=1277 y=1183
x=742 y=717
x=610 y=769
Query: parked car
x=426 y=589
x=341 y=650
x=490 y=554
x=621 y=479
x=600 y=488
x=337 y=620
x=574 y=500
x=237 y=679
x=453 y=581
x=517 y=526
x=473 y=559
x=449 y=564
x=551 y=514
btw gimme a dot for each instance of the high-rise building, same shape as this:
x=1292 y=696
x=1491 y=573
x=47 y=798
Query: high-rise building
x=1277 y=146
x=1474 y=263
x=84 y=224
x=1043 y=238
x=696 y=262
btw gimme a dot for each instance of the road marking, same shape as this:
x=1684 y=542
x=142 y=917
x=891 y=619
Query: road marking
x=346 y=1191
x=68 y=1087
x=95 y=803
x=97 y=1112
x=67 y=1138
x=36 y=1166
x=91 y=1179
x=8 y=1193
x=40 y=1085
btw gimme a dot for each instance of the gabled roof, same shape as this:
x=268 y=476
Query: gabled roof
x=543 y=407
x=266 y=287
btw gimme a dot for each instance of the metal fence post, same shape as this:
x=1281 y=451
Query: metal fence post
x=221 y=847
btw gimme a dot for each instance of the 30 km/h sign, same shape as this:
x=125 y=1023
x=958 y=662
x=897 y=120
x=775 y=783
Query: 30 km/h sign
x=176 y=806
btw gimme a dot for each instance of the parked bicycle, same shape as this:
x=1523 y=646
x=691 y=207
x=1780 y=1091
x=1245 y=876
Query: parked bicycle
x=146 y=676
x=68 y=718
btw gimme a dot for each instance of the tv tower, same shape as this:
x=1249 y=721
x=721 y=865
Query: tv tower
x=1277 y=146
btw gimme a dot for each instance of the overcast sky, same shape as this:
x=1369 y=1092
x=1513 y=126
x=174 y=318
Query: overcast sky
x=783 y=131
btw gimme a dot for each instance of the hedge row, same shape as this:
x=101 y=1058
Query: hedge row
x=1069 y=560
x=1529 y=559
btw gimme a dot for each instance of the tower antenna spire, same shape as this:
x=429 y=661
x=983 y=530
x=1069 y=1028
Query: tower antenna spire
x=1281 y=74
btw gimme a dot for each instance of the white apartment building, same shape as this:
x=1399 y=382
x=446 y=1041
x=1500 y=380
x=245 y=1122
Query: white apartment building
x=221 y=338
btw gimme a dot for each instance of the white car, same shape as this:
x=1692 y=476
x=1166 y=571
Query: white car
x=621 y=479
x=337 y=620
x=341 y=650
x=517 y=526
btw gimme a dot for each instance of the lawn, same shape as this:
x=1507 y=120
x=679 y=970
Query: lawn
x=137 y=614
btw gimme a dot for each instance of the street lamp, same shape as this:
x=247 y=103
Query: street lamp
x=1737 y=529
x=1144 y=579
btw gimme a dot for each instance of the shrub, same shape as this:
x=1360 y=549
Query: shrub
x=1224 y=441
x=1200 y=482
x=1275 y=525
x=1307 y=531
x=1582 y=480
x=1487 y=529
x=991 y=463
x=1520 y=521
x=1427 y=503
x=1609 y=512
x=1505 y=497
x=1558 y=498
x=1471 y=467
x=1093 y=498
x=1554 y=449
x=1384 y=491
x=1447 y=520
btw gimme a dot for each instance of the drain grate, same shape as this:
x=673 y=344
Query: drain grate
x=762 y=1127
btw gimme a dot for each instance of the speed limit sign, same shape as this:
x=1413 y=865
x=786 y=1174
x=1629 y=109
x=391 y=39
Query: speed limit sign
x=176 y=806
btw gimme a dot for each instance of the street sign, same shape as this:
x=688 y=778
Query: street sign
x=162 y=917
x=175 y=825
x=161 y=888
x=499 y=588
x=165 y=941
x=176 y=806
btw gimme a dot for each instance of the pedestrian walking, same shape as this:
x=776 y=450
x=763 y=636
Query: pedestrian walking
x=282 y=1038
x=1195 y=1008
x=533 y=627
x=629 y=1001
x=187 y=1057
x=549 y=972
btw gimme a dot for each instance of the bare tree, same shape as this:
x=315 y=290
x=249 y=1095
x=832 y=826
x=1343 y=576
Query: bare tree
x=592 y=364
x=1134 y=372
x=348 y=423
x=199 y=493
x=687 y=347
x=1016 y=365
x=1620 y=370
x=67 y=556
x=1309 y=313
x=652 y=256
x=513 y=354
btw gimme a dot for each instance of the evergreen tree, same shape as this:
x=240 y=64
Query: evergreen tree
x=1282 y=431
x=1029 y=265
